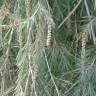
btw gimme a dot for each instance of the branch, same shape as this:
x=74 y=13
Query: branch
x=13 y=25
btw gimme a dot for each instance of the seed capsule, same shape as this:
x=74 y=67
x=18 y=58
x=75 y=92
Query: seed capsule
x=49 y=35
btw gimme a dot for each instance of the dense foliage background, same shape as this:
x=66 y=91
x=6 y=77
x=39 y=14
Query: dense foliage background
x=47 y=48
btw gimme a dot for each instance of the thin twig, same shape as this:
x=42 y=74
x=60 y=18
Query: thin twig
x=69 y=14
x=89 y=15
x=70 y=88
x=51 y=74
x=13 y=25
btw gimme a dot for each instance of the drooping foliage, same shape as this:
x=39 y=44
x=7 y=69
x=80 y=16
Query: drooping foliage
x=47 y=47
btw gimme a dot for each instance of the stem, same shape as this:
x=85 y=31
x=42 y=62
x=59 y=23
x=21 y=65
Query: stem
x=51 y=74
x=69 y=14
x=89 y=15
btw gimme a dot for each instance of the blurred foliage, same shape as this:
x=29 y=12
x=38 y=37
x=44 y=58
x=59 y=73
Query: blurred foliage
x=47 y=47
